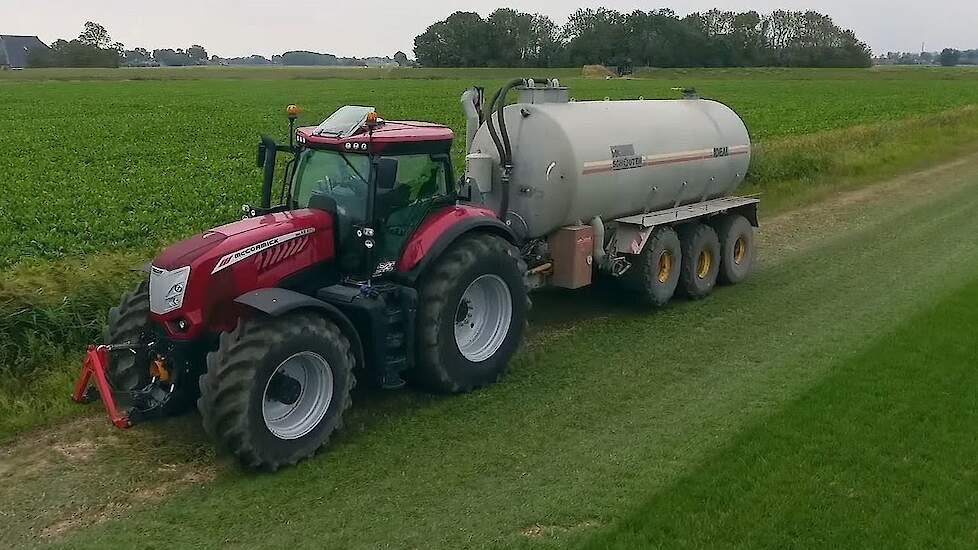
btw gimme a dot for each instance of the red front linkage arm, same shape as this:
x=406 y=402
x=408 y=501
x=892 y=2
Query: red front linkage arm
x=96 y=361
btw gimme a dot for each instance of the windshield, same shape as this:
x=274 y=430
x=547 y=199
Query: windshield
x=337 y=175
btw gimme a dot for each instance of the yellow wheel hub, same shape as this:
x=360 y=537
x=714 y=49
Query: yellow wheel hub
x=665 y=266
x=703 y=263
x=740 y=250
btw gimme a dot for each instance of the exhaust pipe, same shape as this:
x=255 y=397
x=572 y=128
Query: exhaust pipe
x=472 y=100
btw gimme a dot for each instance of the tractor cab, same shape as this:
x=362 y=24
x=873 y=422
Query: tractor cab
x=378 y=178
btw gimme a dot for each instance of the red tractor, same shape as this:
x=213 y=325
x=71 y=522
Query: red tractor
x=374 y=263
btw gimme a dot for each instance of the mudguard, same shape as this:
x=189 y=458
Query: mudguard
x=279 y=301
x=413 y=264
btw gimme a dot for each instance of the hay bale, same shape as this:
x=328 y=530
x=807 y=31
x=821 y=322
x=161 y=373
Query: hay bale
x=597 y=71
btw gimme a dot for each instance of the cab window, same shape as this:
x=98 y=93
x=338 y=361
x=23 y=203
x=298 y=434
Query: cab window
x=423 y=175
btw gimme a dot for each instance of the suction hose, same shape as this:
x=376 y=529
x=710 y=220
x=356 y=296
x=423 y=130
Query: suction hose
x=501 y=140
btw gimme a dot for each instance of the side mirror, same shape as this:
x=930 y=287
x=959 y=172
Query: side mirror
x=261 y=155
x=386 y=173
x=324 y=202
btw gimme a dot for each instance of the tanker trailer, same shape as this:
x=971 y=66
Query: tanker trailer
x=641 y=189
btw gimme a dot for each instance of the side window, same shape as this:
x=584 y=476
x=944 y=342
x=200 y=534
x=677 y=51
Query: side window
x=424 y=176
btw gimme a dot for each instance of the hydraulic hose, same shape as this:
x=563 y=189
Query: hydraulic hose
x=504 y=148
x=502 y=142
x=487 y=115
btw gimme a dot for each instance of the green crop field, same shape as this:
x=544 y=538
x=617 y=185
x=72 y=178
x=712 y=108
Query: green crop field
x=106 y=166
x=714 y=427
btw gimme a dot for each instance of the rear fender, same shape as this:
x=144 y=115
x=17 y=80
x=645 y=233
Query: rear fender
x=451 y=234
x=748 y=211
x=276 y=302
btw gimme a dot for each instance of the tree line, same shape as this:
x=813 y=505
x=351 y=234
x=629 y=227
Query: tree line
x=948 y=57
x=659 y=38
x=95 y=48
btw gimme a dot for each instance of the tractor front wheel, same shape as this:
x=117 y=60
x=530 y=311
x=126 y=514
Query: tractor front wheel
x=276 y=388
x=129 y=324
x=473 y=311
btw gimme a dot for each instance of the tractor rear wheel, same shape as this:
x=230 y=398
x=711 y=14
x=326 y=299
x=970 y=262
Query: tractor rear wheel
x=276 y=388
x=473 y=309
x=129 y=324
x=655 y=272
x=701 y=259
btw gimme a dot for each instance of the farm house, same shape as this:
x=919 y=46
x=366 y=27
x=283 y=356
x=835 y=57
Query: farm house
x=14 y=50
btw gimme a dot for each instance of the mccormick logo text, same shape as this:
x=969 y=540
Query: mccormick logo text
x=238 y=255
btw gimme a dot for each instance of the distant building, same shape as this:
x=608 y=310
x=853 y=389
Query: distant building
x=14 y=49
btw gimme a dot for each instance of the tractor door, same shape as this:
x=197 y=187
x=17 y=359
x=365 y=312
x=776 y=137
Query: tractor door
x=421 y=184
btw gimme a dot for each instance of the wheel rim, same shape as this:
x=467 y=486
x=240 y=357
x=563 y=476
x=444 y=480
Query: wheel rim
x=703 y=263
x=292 y=406
x=740 y=250
x=482 y=317
x=665 y=266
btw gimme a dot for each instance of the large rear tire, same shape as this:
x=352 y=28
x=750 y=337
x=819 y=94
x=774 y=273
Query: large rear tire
x=129 y=324
x=701 y=260
x=655 y=272
x=276 y=388
x=473 y=310
x=736 y=248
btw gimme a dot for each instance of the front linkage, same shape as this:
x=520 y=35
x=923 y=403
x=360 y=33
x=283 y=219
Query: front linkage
x=143 y=404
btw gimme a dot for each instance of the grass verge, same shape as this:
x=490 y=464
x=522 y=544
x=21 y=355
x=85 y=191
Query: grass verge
x=795 y=170
x=49 y=311
x=880 y=454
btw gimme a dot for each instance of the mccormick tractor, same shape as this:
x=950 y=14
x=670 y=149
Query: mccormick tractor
x=375 y=263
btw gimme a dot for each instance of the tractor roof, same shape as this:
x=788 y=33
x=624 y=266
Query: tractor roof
x=390 y=137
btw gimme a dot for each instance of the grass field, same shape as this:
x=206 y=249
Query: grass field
x=100 y=173
x=583 y=434
x=594 y=445
x=877 y=455
x=93 y=167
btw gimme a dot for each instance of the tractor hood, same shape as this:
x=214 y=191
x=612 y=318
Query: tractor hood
x=193 y=280
x=236 y=235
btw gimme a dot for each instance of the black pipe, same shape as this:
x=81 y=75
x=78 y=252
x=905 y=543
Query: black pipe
x=502 y=142
x=270 y=153
x=492 y=128
x=506 y=154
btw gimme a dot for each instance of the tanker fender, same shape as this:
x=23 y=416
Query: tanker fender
x=468 y=219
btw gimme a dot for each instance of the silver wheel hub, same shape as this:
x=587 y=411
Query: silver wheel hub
x=297 y=395
x=483 y=317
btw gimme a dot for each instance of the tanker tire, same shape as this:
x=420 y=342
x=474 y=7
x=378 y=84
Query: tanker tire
x=730 y=229
x=232 y=390
x=697 y=238
x=128 y=322
x=441 y=366
x=644 y=275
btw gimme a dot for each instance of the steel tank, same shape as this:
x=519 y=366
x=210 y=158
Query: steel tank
x=576 y=160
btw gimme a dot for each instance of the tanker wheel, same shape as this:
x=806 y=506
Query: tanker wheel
x=701 y=259
x=129 y=324
x=473 y=309
x=655 y=272
x=276 y=388
x=736 y=248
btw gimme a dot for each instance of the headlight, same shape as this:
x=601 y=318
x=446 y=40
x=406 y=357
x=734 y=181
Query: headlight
x=167 y=289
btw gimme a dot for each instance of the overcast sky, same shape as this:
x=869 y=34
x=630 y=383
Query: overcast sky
x=231 y=28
